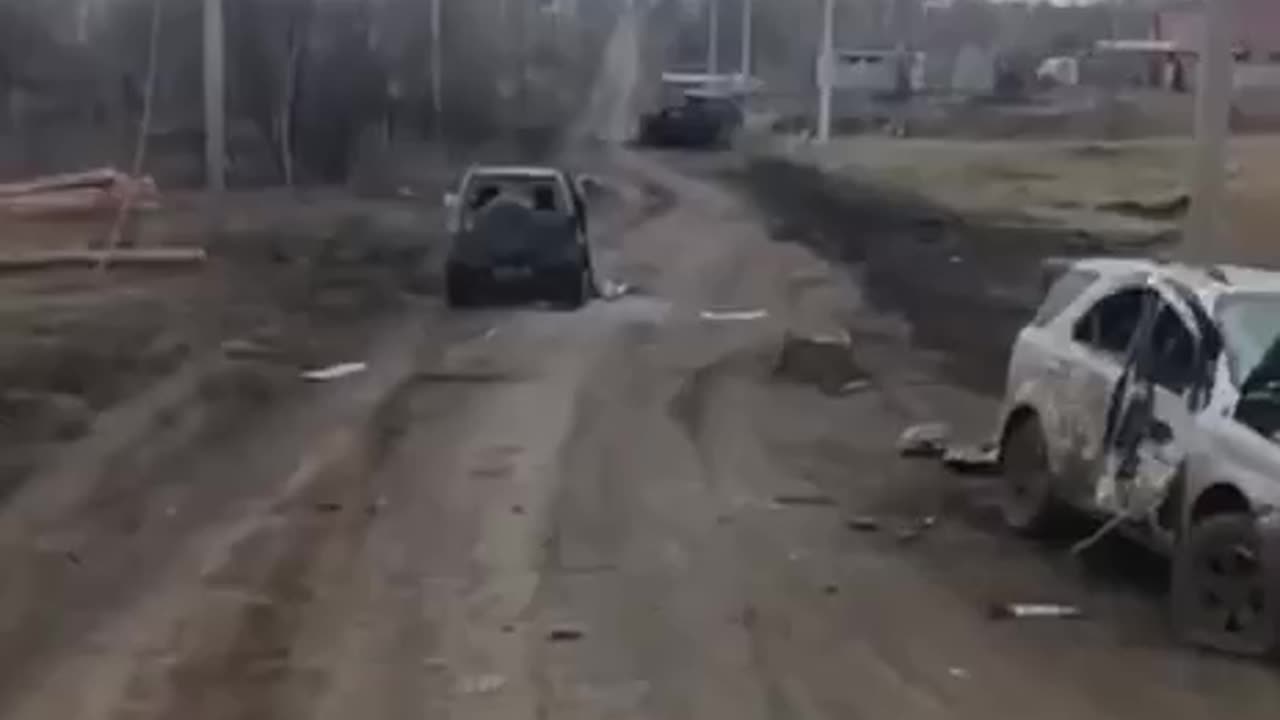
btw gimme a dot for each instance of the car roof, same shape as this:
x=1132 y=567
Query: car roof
x=1209 y=281
x=532 y=172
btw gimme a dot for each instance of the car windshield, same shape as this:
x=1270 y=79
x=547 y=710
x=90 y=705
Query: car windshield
x=1250 y=325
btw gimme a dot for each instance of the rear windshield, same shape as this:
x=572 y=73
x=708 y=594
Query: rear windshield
x=1063 y=292
x=536 y=193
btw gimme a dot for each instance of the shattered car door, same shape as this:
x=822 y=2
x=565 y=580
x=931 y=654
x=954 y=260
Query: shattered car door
x=1150 y=426
x=1095 y=365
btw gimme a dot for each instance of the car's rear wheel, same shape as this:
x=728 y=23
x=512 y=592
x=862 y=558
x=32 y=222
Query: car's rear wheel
x=570 y=288
x=1028 y=503
x=1222 y=596
x=460 y=287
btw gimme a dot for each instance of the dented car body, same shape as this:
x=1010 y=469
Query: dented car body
x=1149 y=394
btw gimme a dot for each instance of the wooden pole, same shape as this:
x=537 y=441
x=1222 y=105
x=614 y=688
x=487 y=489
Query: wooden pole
x=215 y=111
x=826 y=69
x=1214 y=92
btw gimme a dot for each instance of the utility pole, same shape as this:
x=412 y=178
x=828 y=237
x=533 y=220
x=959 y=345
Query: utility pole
x=437 y=67
x=215 y=101
x=748 y=18
x=1214 y=93
x=713 y=36
x=826 y=70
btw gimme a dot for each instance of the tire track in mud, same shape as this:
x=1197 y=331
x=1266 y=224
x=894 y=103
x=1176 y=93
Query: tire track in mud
x=272 y=602
x=236 y=652
x=125 y=615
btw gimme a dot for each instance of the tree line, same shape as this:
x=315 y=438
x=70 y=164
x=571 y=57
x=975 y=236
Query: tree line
x=309 y=82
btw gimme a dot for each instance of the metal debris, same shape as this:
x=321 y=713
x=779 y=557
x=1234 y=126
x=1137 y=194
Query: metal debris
x=1030 y=611
x=566 y=633
x=928 y=440
x=335 y=372
x=734 y=315
x=974 y=459
x=823 y=361
x=916 y=530
x=909 y=535
x=852 y=387
x=864 y=523
x=815 y=500
x=245 y=349
x=611 y=290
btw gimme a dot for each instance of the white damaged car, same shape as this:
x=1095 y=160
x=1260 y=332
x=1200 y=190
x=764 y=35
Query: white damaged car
x=1149 y=395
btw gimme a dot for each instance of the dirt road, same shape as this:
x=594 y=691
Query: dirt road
x=612 y=513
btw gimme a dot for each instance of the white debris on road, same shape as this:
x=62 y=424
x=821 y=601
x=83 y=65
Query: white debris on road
x=335 y=372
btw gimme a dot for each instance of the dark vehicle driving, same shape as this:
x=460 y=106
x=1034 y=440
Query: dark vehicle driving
x=702 y=120
x=518 y=233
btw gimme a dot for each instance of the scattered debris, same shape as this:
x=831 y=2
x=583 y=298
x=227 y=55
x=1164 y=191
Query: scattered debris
x=908 y=535
x=852 y=387
x=973 y=459
x=734 y=315
x=823 y=361
x=914 y=531
x=958 y=673
x=52 y=259
x=335 y=372
x=927 y=440
x=1028 y=611
x=566 y=633
x=481 y=684
x=864 y=523
x=816 y=500
x=610 y=290
x=245 y=349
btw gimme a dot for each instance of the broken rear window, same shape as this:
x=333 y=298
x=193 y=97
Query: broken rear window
x=1250 y=325
x=1064 y=292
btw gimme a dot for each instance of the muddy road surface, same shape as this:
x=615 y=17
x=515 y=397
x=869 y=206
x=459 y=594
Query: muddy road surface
x=616 y=512
x=619 y=512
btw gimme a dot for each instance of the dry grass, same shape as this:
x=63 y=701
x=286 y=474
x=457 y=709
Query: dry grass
x=1071 y=183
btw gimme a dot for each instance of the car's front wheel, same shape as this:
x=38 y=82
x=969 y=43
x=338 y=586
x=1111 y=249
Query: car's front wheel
x=1222 y=596
x=1028 y=502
